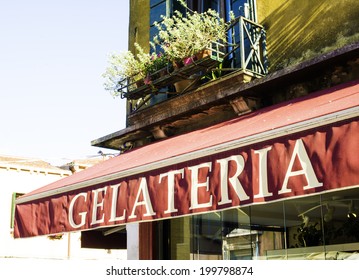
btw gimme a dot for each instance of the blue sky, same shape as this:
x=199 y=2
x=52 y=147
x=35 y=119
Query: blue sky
x=52 y=56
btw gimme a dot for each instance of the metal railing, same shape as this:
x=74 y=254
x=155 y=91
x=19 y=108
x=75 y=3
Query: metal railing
x=248 y=50
x=162 y=80
x=245 y=50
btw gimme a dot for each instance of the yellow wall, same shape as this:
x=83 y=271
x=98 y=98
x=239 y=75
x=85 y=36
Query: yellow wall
x=296 y=29
x=301 y=29
x=139 y=28
x=139 y=25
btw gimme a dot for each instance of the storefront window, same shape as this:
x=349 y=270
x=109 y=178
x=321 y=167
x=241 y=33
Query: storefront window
x=239 y=240
x=312 y=227
x=206 y=236
x=269 y=222
x=304 y=226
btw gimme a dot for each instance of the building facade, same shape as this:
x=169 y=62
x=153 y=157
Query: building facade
x=20 y=175
x=257 y=163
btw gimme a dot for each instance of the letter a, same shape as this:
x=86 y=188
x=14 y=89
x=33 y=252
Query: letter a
x=146 y=200
x=307 y=169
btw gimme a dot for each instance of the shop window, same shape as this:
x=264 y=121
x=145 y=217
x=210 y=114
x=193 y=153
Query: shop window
x=340 y=220
x=265 y=230
x=206 y=237
x=237 y=235
x=304 y=222
x=322 y=226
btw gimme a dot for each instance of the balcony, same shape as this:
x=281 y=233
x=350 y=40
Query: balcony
x=245 y=52
x=227 y=97
x=159 y=109
x=164 y=78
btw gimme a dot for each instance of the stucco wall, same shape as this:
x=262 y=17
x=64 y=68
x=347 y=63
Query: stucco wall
x=69 y=246
x=13 y=180
x=139 y=24
x=296 y=29
x=299 y=30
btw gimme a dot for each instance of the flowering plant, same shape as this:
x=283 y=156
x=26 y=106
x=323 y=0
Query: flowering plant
x=126 y=68
x=179 y=37
x=158 y=62
x=120 y=67
x=182 y=37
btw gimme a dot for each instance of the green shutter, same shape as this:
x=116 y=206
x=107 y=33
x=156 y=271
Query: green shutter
x=15 y=195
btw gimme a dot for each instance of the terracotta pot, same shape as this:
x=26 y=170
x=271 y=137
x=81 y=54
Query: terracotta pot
x=203 y=53
x=177 y=64
x=140 y=83
x=182 y=85
x=163 y=72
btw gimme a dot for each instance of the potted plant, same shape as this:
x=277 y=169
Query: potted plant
x=158 y=65
x=121 y=66
x=185 y=37
x=128 y=70
x=182 y=40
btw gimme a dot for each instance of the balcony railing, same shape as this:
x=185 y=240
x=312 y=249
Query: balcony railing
x=249 y=49
x=170 y=75
x=245 y=51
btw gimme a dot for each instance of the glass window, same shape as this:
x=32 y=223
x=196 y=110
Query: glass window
x=157 y=10
x=155 y=2
x=238 y=236
x=268 y=224
x=340 y=216
x=312 y=227
x=206 y=236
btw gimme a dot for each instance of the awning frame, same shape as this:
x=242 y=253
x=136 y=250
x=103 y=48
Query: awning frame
x=238 y=143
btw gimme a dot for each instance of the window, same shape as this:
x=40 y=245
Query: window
x=223 y=7
x=157 y=8
x=324 y=226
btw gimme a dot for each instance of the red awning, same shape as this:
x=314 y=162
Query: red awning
x=279 y=151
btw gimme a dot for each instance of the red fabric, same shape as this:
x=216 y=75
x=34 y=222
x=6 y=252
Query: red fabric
x=332 y=151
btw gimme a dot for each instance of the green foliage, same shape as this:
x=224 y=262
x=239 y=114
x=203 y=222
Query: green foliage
x=181 y=37
x=126 y=67
x=214 y=74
